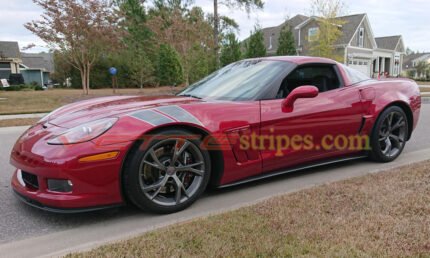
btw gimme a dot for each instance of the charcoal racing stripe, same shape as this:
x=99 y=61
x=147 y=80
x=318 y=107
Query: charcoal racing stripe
x=179 y=114
x=152 y=117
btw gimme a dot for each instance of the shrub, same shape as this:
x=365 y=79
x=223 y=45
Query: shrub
x=12 y=88
x=16 y=79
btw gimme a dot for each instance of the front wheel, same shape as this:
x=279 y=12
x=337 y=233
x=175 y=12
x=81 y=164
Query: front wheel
x=170 y=174
x=389 y=135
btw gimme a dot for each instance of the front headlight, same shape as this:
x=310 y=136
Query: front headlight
x=84 y=133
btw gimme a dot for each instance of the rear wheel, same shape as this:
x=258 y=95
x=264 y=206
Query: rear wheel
x=169 y=175
x=389 y=135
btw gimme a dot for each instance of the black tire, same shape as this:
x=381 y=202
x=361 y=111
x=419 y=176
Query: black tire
x=389 y=135
x=161 y=200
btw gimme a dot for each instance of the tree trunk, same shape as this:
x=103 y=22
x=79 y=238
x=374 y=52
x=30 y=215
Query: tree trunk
x=88 y=78
x=141 y=82
x=216 y=33
x=83 y=80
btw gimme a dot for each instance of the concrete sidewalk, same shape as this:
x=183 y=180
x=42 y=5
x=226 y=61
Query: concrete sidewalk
x=7 y=117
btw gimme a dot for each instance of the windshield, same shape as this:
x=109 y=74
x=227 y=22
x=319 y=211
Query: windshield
x=244 y=80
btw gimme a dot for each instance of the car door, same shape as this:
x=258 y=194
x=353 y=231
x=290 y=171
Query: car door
x=335 y=111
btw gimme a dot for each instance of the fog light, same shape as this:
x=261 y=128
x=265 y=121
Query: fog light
x=19 y=177
x=59 y=185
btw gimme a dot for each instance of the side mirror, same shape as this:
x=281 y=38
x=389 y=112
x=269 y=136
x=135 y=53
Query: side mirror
x=298 y=93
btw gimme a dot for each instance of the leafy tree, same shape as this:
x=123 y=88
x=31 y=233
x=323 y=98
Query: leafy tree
x=81 y=29
x=246 y=4
x=329 y=30
x=255 y=44
x=287 y=44
x=409 y=51
x=422 y=68
x=169 y=68
x=140 y=51
x=186 y=30
x=230 y=51
x=63 y=69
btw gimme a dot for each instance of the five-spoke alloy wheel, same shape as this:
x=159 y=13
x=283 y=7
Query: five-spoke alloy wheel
x=169 y=174
x=389 y=135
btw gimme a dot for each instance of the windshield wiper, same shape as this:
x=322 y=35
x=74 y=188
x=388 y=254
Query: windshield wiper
x=191 y=96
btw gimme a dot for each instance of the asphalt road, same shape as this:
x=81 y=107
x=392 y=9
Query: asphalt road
x=20 y=224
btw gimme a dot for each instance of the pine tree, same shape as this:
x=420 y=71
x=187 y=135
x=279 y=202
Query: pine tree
x=169 y=67
x=287 y=45
x=140 y=52
x=230 y=51
x=255 y=44
x=237 y=4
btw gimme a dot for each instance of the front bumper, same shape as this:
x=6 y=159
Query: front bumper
x=38 y=205
x=96 y=185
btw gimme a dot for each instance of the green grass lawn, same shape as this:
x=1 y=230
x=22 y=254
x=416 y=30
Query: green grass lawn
x=379 y=215
x=423 y=90
x=423 y=83
x=25 y=102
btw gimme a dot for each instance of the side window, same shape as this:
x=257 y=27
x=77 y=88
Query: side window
x=324 y=77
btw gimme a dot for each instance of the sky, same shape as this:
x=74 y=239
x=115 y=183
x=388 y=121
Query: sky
x=409 y=18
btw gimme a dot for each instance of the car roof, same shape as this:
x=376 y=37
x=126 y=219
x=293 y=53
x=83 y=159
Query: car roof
x=299 y=60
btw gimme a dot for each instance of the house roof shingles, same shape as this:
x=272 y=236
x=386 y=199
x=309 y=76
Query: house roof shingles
x=9 y=49
x=389 y=43
x=32 y=60
x=349 y=27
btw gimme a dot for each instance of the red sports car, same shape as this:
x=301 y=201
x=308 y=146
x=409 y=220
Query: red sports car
x=250 y=120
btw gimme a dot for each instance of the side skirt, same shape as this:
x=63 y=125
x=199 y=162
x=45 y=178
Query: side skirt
x=295 y=169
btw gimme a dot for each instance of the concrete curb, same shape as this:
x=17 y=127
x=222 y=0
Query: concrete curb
x=94 y=235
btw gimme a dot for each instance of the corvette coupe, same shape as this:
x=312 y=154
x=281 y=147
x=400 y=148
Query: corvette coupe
x=252 y=119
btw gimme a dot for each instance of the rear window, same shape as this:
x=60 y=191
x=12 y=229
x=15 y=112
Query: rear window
x=354 y=75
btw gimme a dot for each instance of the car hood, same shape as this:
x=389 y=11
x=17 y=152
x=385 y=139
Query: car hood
x=89 y=110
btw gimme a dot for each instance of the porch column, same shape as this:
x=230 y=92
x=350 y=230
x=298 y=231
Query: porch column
x=383 y=65
x=377 y=65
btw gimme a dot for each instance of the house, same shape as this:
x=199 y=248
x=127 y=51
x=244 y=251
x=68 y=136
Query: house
x=271 y=35
x=411 y=62
x=357 y=47
x=10 y=58
x=36 y=68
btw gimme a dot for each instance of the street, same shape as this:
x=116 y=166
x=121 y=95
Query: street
x=54 y=233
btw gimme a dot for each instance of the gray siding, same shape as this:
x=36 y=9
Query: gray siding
x=367 y=40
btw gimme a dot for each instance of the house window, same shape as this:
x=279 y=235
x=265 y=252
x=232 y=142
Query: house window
x=361 y=37
x=5 y=65
x=313 y=34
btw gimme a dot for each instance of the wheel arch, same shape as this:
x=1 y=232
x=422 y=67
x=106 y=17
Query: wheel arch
x=408 y=111
x=216 y=156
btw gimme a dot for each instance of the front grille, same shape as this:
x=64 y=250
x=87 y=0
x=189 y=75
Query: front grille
x=30 y=180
